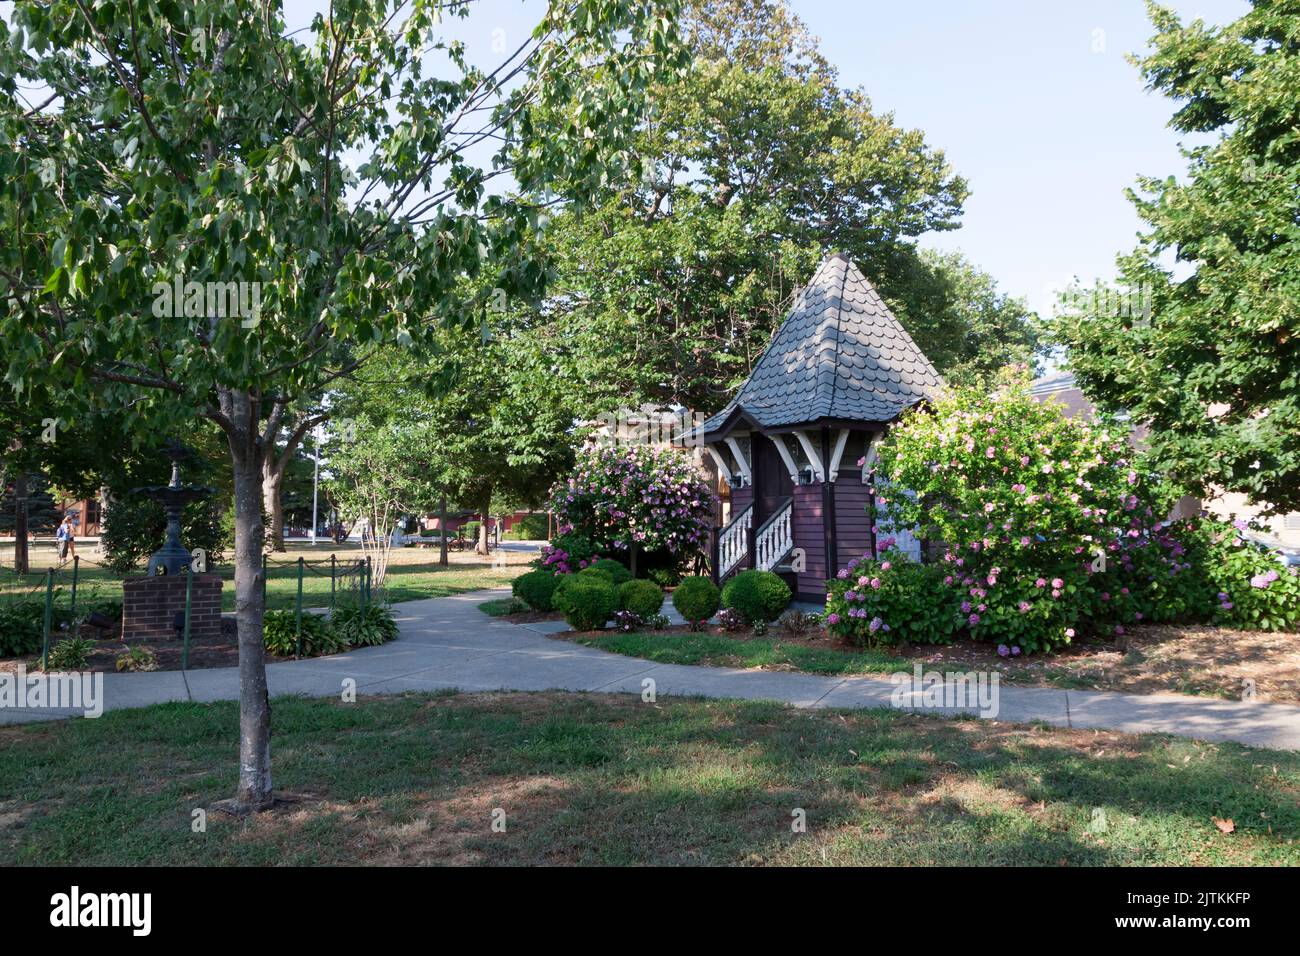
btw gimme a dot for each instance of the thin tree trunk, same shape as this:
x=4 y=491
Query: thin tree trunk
x=273 y=502
x=255 y=791
x=20 y=523
x=482 y=546
x=442 y=531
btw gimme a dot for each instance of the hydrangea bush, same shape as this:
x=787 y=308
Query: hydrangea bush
x=1252 y=588
x=1024 y=499
x=893 y=600
x=654 y=498
x=1051 y=529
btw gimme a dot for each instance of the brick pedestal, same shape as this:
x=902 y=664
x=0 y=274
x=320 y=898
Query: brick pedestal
x=150 y=605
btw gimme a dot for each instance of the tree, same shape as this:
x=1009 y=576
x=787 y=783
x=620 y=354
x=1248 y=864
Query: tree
x=1211 y=362
x=496 y=414
x=381 y=473
x=184 y=149
x=973 y=331
x=281 y=455
x=755 y=166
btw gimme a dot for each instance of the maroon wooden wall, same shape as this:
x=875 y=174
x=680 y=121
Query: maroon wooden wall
x=852 y=525
x=740 y=498
x=810 y=534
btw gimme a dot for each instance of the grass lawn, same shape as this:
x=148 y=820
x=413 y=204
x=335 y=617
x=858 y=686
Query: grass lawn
x=413 y=574
x=606 y=779
x=1194 y=659
x=720 y=650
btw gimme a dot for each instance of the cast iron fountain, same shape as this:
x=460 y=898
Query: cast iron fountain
x=173 y=557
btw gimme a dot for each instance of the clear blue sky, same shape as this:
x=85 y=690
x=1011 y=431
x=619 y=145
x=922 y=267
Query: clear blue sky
x=1032 y=101
x=1035 y=104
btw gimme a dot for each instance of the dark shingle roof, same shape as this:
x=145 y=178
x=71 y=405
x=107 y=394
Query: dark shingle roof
x=839 y=354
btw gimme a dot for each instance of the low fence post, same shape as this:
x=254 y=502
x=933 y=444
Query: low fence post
x=189 y=593
x=49 y=618
x=297 y=622
x=76 y=567
x=333 y=565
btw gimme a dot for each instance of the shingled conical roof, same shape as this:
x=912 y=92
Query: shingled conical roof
x=840 y=355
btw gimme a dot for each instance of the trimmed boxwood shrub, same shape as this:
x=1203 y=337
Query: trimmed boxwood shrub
x=588 y=602
x=599 y=574
x=642 y=598
x=696 y=599
x=536 y=589
x=758 y=595
x=615 y=569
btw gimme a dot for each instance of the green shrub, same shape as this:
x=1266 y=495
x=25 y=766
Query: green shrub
x=70 y=654
x=22 y=625
x=758 y=595
x=536 y=589
x=562 y=583
x=1021 y=495
x=531 y=527
x=642 y=598
x=567 y=553
x=796 y=623
x=1255 y=590
x=318 y=637
x=589 y=602
x=892 y=601
x=599 y=574
x=363 y=626
x=137 y=658
x=617 y=572
x=665 y=577
x=696 y=599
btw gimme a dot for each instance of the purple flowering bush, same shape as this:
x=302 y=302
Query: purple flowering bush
x=654 y=498
x=1252 y=588
x=891 y=601
x=1023 y=498
x=568 y=554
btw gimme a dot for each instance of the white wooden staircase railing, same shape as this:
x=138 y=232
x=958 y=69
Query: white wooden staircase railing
x=733 y=542
x=774 y=539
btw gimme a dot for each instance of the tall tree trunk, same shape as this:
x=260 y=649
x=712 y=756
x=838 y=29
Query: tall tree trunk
x=272 y=500
x=20 y=523
x=442 y=531
x=482 y=546
x=255 y=792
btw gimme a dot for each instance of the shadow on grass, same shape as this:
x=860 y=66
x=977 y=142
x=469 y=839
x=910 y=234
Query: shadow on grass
x=603 y=779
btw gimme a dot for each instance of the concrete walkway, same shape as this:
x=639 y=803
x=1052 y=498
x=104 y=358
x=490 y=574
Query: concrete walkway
x=448 y=643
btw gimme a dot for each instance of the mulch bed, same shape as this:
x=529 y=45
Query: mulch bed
x=208 y=652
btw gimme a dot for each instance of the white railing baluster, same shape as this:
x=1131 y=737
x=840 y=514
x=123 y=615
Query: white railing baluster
x=733 y=541
x=775 y=539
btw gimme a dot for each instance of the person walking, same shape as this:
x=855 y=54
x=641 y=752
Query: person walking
x=66 y=537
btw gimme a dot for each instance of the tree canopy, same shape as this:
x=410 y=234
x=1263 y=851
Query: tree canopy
x=1215 y=369
x=752 y=168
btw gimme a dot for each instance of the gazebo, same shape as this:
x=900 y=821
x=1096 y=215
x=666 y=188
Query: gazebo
x=839 y=370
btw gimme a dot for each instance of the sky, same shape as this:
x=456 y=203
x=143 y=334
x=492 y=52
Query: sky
x=1032 y=101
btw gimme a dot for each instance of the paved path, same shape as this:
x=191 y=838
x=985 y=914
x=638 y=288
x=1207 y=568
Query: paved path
x=449 y=643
